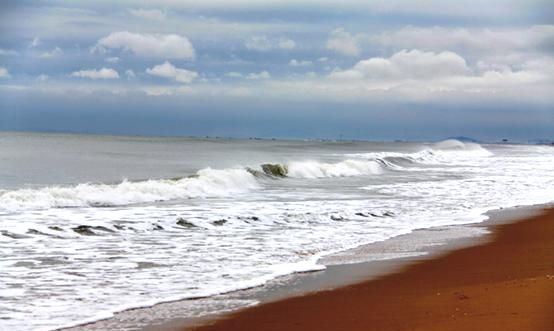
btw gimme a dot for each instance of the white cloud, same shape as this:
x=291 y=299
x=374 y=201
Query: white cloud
x=158 y=91
x=285 y=43
x=300 y=63
x=234 y=74
x=341 y=41
x=421 y=75
x=251 y=76
x=414 y=64
x=262 y=43
x=493 y=80
x=237 y=91
x=258 y=43
x=4 y=73
x=167 y=70
x=130 y=74
x=471 y=40
x=35 y=42
x=543 y=64
x=104 y=73
x=323 y=59
x=150 y=14
x=43 y=78
x=169 y=46
x=257 y=76
x=7 y=52
x=114 y=59
x=53 y=53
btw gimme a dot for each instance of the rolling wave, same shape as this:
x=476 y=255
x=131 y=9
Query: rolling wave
x=206 y=183
x=448 y=151
x=210 y=182
x=347 y=168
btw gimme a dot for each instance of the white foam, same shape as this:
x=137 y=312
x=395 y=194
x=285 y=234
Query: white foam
x=347 y=168
x=206 y=183
x=244 y=240
x=452 y=152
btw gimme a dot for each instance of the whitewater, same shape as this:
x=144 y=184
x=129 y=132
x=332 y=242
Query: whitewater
x=91 y=226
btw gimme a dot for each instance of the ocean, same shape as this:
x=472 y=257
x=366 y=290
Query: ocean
x=94 y=225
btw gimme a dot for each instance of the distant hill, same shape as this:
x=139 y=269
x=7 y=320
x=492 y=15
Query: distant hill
x=541 y=141
x=465 y=139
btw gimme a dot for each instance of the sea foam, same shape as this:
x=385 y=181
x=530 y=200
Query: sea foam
x=96 y=261
x=205 y=183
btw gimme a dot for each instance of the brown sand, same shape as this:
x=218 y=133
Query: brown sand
x=505 y=284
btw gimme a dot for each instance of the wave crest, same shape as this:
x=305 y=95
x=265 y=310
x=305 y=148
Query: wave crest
x=210 y=182
x=447 y=151
x=206 y=183
x=347 y=168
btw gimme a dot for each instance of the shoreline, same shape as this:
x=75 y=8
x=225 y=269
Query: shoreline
x=398 y=281
x=432 y=243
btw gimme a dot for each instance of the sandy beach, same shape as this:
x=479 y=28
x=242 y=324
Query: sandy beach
x=506 y=283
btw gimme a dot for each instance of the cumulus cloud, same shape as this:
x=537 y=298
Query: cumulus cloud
x=170 y=46
x=167 y=70
x=414 y=64
x=262 y=43
x=43 y=78
x=510 y=43
x=343 y=42
x=493 y=80
x=104 y=73
x=53 y=53
x=421 y=75
x=4 y=73
x=257 y=76
x=114 y=59
x=299 y=63
x=150 y=14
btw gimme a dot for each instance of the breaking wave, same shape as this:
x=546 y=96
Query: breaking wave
x=315 y=169
x=210 y=182
x=447 y=151
x=206 y=183
x=347 y=168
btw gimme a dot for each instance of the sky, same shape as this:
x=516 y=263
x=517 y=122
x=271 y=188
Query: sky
x=373 y=69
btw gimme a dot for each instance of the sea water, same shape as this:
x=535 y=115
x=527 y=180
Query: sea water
x=93 y=225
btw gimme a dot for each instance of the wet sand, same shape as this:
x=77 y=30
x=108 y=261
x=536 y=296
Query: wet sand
x=506 y=283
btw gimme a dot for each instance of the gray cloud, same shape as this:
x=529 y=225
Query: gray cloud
x=150 y=14
x=360 y=54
